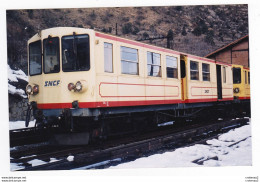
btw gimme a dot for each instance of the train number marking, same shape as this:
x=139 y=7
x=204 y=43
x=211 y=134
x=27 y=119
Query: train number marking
x=51 y=83
x=206 y=91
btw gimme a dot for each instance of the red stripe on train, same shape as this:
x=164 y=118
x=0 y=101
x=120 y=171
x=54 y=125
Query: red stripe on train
x=123 y=103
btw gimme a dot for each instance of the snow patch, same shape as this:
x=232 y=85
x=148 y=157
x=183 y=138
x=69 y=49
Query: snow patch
x=230 y=149
x=13 y=125
x=166 y=124
x=36 y=162
x=98 y=164
x=13 y=76
x=70 y=158
x=53 y=160
x=15 y=166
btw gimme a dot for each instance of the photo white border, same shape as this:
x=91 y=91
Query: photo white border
x=237 y=173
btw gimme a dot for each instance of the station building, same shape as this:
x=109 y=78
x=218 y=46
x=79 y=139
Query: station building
x=236 y=52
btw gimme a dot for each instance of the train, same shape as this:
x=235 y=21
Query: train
x=90 y=84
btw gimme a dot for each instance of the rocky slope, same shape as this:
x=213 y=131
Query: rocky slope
x=193 y=29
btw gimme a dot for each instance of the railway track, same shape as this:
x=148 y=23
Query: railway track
x=126 y=149
x=27 y=136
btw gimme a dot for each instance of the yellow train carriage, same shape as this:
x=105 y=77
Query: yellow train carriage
x=206 y=80
x=241 y=82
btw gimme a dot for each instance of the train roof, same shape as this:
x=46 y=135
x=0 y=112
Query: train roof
x=125 y=40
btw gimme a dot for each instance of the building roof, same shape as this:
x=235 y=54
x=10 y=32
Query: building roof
x=227 y=46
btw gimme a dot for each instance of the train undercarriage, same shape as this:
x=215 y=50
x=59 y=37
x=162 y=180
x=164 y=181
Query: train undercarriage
x=79 y=126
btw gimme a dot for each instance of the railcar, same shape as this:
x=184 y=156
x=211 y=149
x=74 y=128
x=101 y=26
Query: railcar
x=241 y=80
x=93 y=84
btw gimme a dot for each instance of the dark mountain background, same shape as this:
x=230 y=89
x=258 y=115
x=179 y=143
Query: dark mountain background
x=197 y=30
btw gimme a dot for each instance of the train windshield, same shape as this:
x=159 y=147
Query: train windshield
x=35 y=58
x=236 y=75
x=75 y=53
x=51 y=55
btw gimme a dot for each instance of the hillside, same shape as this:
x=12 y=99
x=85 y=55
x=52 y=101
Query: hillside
x=193 y=29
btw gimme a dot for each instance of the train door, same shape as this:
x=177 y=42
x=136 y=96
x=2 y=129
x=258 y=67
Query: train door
x=183 y=77
x=219 y=81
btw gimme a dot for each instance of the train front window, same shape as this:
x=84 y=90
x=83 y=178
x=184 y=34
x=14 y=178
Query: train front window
x=51 y=55
x=236 y=75
x=35 y=58
x=75 y=53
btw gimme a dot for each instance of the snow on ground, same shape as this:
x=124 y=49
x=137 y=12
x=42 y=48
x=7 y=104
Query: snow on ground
x=229 y=149
x=13 y=125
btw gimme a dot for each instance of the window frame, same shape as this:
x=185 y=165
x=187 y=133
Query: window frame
x=240 y=74
x=30 y=59
x=88 y=55
x=160 y=66
x=112 y=61
x=172 y=67
x=43 y=55
x=198 y=71
x=203 y=72
x=224 y=70
x=248 y=77
x=129 y=61
x=246 y=81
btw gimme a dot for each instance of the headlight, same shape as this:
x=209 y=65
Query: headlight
x=71 y=86
x=236 y=90
x=78 y=86
x=35 y=89
x=29 y=89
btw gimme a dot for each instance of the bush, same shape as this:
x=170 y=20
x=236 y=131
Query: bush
x=136 y=30
x=145 y=35
x=197 y=31
x=210 y=37
x=184 y=33
x=127 y=28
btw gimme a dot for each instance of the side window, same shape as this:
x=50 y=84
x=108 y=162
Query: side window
x=171 y=67
x=248 y=77
x=236 y=75
x=194 y=70
x=129 y=61
x=153 y=64
x=108 y=57
x=206 y=72
x=224 y=74
x=245 y=77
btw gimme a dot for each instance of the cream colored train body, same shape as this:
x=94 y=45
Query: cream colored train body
x=108 y=89
x=91 y=73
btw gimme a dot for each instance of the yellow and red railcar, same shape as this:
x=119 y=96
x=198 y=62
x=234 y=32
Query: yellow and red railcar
x=78 y=78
